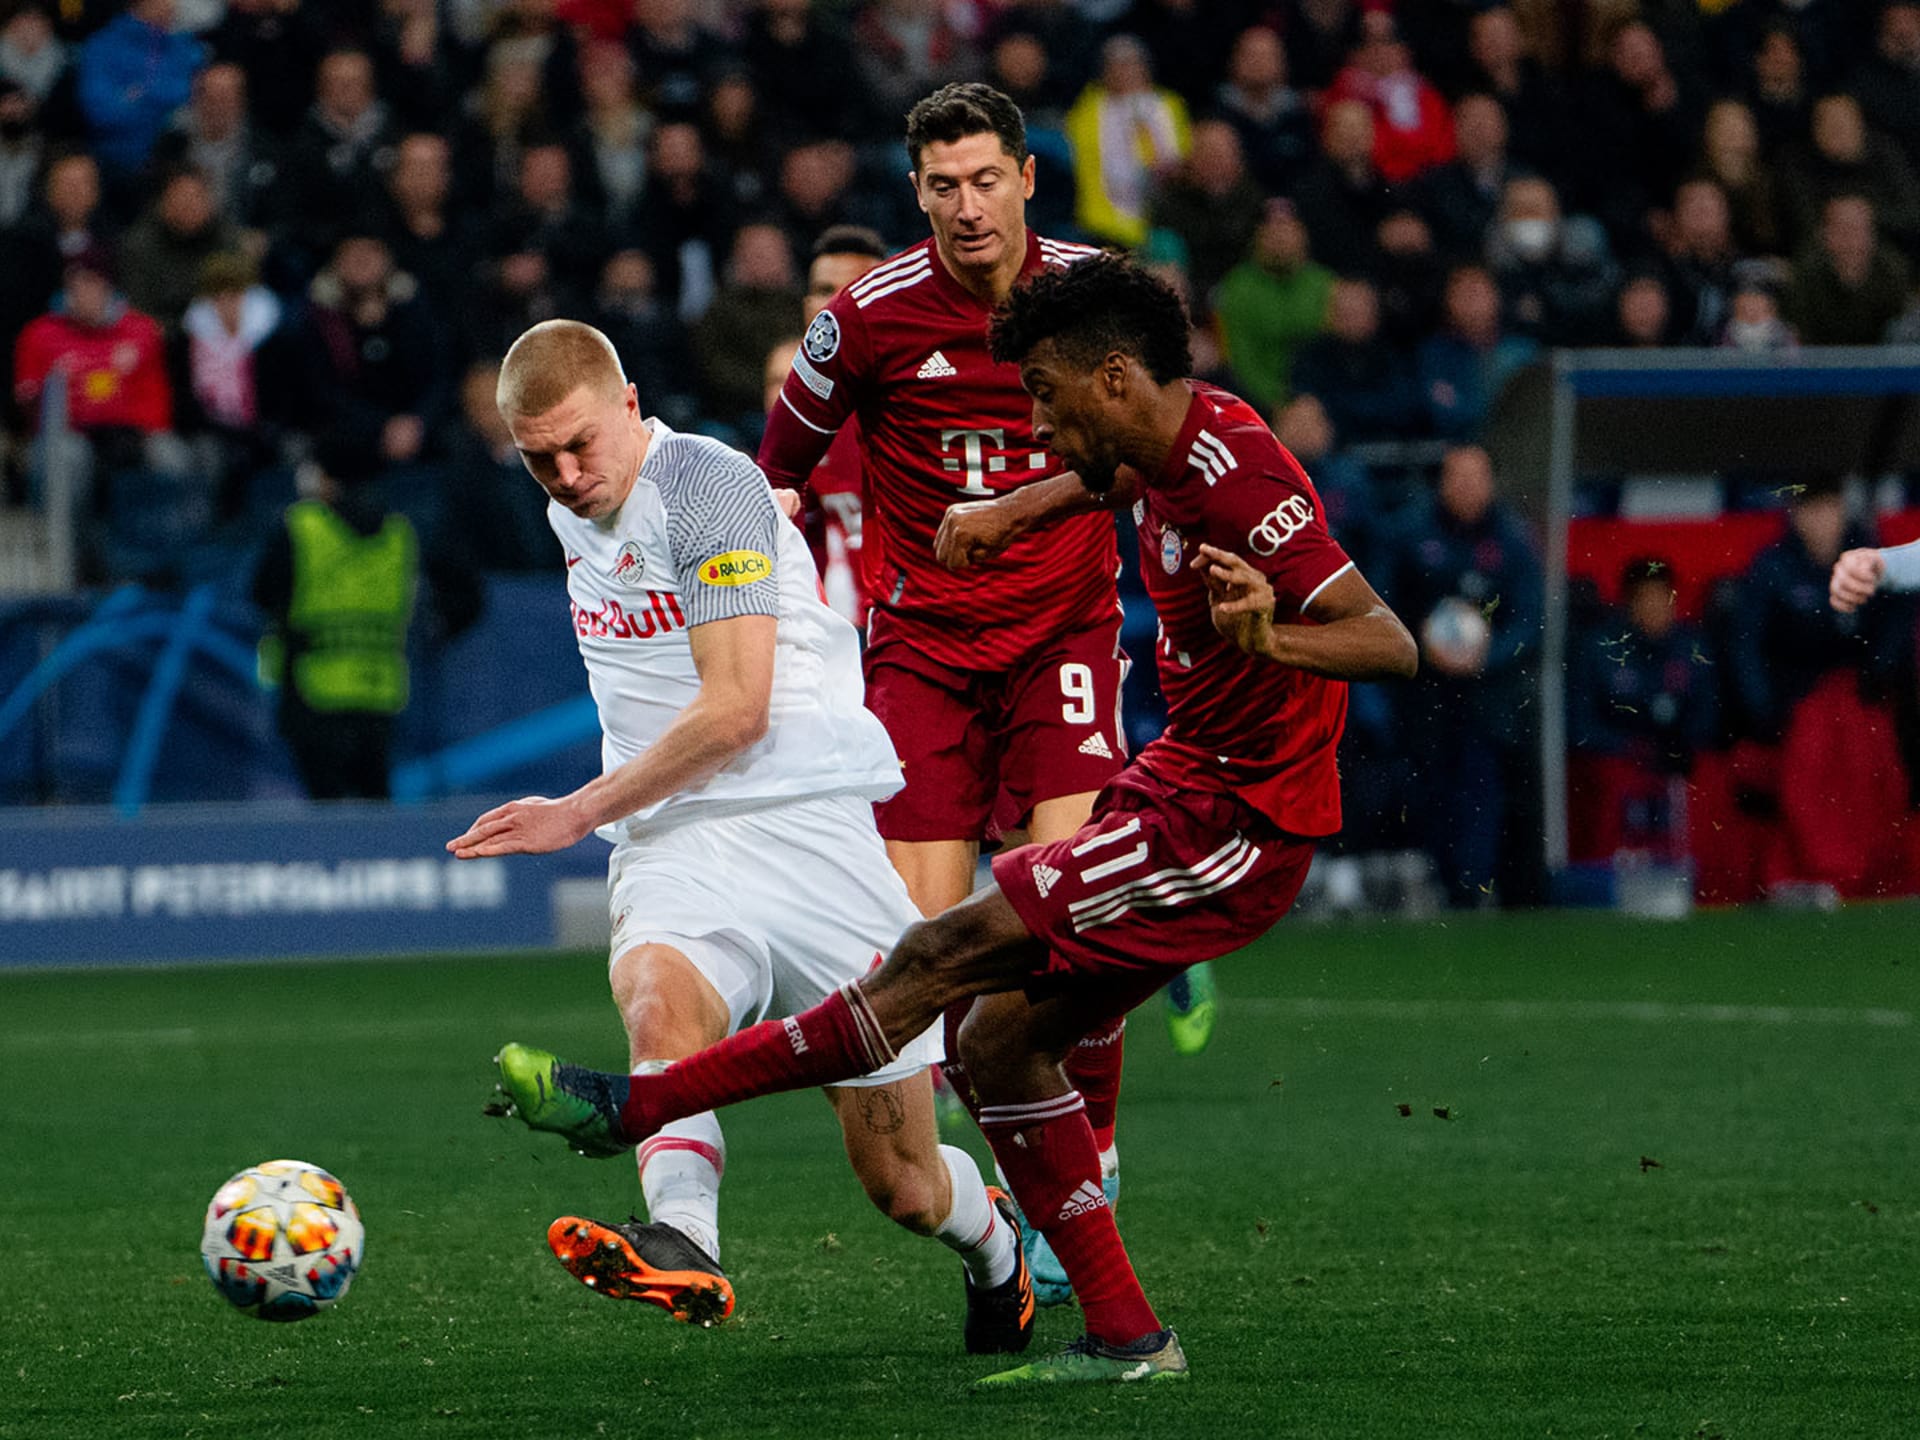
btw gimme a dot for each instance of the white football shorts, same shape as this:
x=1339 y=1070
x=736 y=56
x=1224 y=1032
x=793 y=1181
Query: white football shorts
x=777 y=908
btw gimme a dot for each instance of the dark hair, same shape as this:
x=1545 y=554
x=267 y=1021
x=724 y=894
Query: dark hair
x=1089 y=311
x=954 y=112
x=849 y=240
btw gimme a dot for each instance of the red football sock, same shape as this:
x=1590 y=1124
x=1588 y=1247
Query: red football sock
x=1047 y=1153
x=1093 y=1068
x=953 y=1072
x=837 y=1039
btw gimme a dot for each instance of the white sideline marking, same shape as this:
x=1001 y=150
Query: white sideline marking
x=224 y=1032
x=1645 y=1012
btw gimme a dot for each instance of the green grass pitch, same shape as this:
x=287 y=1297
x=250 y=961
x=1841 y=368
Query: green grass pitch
x=1562 y=1175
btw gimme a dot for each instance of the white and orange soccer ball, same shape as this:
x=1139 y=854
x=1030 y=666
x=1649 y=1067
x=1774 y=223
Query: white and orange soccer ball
x=282 y=1240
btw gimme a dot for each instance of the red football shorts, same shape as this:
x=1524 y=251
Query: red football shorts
x=1158 y=879
x=972 y=742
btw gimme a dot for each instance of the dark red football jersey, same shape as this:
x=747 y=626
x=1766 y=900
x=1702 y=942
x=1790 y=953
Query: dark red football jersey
x=1237 y=722
x=904 y=348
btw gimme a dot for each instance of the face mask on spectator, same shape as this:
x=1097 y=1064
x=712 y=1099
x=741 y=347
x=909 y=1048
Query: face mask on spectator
x=1530 y=239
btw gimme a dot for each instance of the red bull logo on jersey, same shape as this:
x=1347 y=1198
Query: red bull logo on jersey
x=736 y=567
x=661 y=615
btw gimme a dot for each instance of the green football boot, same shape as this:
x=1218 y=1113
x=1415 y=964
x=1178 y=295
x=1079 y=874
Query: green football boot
x=581 y=1106
x=1191 y=1007
x=1152 y=1357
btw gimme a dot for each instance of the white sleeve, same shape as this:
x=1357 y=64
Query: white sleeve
x=1903 y=567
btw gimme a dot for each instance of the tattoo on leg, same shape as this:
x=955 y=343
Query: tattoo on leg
x=883 y=1114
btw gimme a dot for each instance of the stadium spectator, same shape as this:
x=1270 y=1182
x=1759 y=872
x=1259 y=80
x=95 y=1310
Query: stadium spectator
x=1342 y=197
x=1461 y=197
x=1888 y=83
x=1346 y=489
x=1777 y=91
x=1697 y=265
x=337 y=160
x=274 y=42
x=1638 y=125
x=674 y=54
x=1409 y=275
x=23 y=151
x=112 y=356
x=234 y=360
x=1643 y=313
x=1359 y=376
x=428 y=240
x=905 y=48
x=1844 y=158
x=797 y=56
x=214 y=136
x=1755 y=323
x=760 y=298
x=1212 y=205
x=816 y=180
x=32 y=56
x=501 y=519
x=1464 y=573
x=740 y=145
x=1556 y=274
x=1730 y=157
x=1533 y=100
x=1640 y=706
x=410 y=64
x=1412 y=124
x=1462 y=369
x=132 y=74
x=1321 y=35
x=1127 y=133
x=1848 y=289
x=1270 y=304
x=649 y=338
x=161 y=255
x=610 y=140
x=686 y=222
x=544 y=247
x=1817 y=683
x=506 y=112
x=1272 y=119
x=377 y=377
x=1187 y=39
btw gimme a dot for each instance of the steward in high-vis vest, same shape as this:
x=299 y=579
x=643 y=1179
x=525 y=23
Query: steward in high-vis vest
x=338 y=586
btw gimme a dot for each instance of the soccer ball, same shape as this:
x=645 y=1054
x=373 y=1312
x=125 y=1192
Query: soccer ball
x=1456 y=636
x=282 y=1240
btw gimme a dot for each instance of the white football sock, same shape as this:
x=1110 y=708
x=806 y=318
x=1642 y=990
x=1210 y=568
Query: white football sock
x=680 y=1177
x=974 y=1228
x=1109 y=1163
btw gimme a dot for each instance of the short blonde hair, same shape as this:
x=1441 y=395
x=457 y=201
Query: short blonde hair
x=551 y=361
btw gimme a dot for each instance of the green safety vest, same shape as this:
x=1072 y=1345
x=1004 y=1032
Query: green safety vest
x=353 y=596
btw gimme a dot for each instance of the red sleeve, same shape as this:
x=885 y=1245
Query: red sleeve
x=830 y=369
x=1271 y=516
x=149 y=395
x=32 y=358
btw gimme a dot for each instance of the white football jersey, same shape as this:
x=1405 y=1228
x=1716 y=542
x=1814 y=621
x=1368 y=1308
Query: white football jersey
x=700 y=539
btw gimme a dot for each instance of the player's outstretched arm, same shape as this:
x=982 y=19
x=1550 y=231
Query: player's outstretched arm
x=977 y=530
x=734 y=658
x=1355 y=636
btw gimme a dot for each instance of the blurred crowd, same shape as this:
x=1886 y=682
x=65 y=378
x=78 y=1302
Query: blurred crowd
x=232 y=227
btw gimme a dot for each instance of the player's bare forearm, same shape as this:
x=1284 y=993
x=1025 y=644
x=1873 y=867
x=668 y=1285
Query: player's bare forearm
x=1373 y=646
x=978 y=530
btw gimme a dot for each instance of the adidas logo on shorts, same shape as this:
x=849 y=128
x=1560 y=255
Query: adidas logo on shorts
x=936 y=368
x=1044 y=879
x=1086 y=1197
x=1096 y=744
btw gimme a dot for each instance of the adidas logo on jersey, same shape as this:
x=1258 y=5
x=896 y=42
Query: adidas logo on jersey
x=1086 y=1196
x=937 y=367
x=1045 y=877
x=1096 y=744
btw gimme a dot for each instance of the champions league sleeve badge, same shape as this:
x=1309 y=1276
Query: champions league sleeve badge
x=822 y=340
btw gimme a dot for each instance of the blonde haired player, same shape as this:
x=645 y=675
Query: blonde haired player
x=747 y=879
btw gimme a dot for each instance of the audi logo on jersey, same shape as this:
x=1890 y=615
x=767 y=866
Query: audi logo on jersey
x=612 y=621
x=1280 y=525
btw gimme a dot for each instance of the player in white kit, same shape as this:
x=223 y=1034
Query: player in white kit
x=747 y=880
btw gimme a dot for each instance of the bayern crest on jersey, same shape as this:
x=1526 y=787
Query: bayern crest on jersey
x=1170 y=551
x=822 y=340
